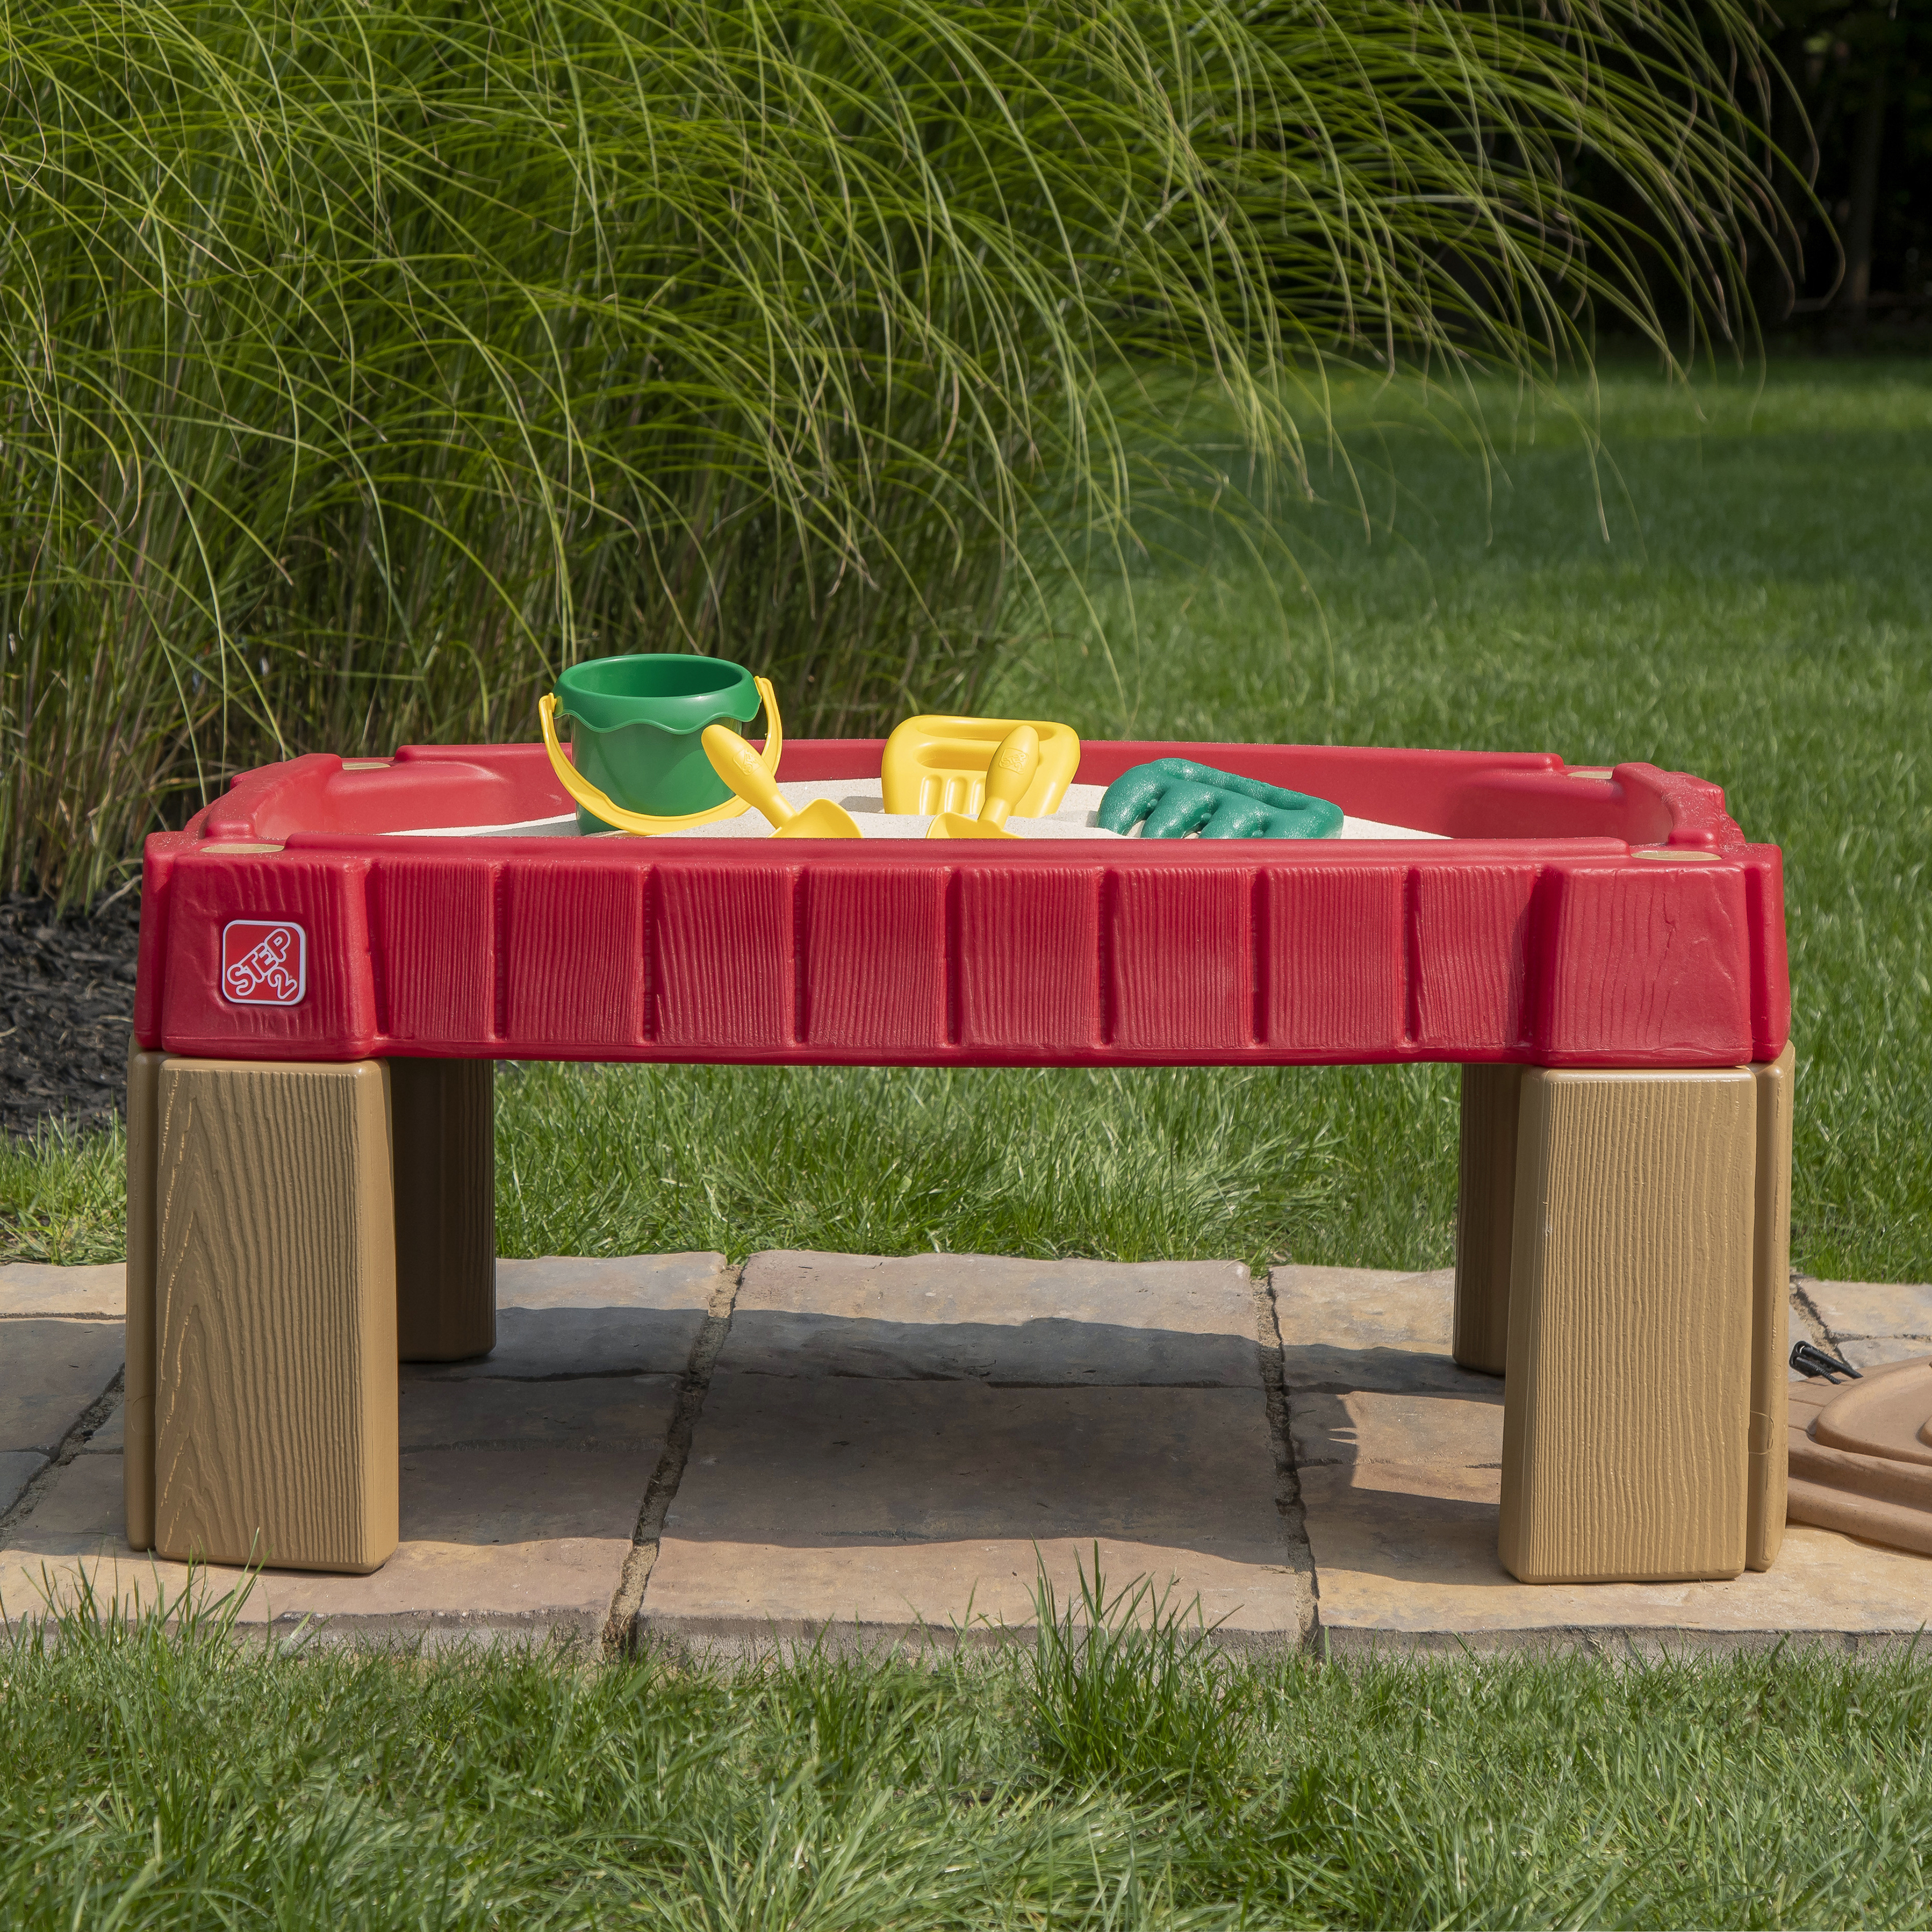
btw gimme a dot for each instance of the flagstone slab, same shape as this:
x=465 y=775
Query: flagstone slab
x=1379 y=1426
x=891 y=1448
x=53 y=1370
x=1406 y=1557
x=562 y=1315
x=39 y=1288
x=865 y=1511
x=111 y=1437
x=995 y=1319
x=1866 y=1309
x=1350 y=1329
x=630 y=1413
x=521 y=1525
x=1398 y=1452
x=18 y=1468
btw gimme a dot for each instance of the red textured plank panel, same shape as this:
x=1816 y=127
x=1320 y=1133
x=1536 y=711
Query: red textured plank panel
x=157 y=867
x=875 y=957
x=335 y=1018
x=1029 y=959
x=1334 y=961
x=573 y=944
x=433 y=930
x=726 y=967
x=1770 y=972
x=1183 y=958
x=1469 y=943
x=1646 y=968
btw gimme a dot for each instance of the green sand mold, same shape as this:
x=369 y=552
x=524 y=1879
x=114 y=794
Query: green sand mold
x=635 y=722
x=1172 y=797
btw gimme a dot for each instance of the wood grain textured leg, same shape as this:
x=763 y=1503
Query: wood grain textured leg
x=275 y=1419
x=444 y=1112
x=1627 y=1415
x=1771 y=1313
x=137 y=1400
x=1485 y=1216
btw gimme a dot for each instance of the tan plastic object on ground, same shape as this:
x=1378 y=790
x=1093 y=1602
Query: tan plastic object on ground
x=1860 y=1461
x=1007 y=777
x=740 y=766
x=1883 y=1415
x=933 y=764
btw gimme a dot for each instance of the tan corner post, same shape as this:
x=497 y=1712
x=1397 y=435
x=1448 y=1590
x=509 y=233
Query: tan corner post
x=275 y=1421
x=137 y=1399
x=1771 y=1313
x=445 y=1120
x=1485 y=1216
x=1627 y=1415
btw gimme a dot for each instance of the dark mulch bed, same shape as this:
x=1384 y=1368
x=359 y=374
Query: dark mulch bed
x=67 y=1006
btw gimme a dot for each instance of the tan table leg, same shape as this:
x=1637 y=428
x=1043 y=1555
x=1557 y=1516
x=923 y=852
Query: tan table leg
x=137 y=1460
x=444 y=1112
x=1485 y=1215
x=1627 y=1417
x=1771 y=1314
x=275 y=1422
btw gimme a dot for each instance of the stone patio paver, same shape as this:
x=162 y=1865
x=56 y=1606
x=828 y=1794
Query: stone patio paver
x=1371 y=1328
x=890 y=1446
x=53 y=1370
x=1465 y=1429
x=873 y=1510
x=36 y=1287
x=60 y=1350
x=519 y=1542
x=625 y=1413
x=994 y=1318
x=18 y=1468
x=1401 y=1488
x=1861 y=1310
x=621 y=1315
x=522 y=1476
x=110 y=1437
x=1871 y=1323
x=890 y=1449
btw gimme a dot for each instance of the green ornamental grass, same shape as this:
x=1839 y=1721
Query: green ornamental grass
x=362 y=364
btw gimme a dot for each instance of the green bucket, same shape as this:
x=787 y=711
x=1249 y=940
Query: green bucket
x=634 y=724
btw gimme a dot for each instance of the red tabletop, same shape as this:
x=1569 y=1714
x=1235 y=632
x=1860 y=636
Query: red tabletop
x=1569 y=918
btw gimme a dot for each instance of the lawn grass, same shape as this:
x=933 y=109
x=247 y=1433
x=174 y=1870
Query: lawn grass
x=1128 y=1166
x=63 y=1195
x=1761 y=614
x=1135 y=1779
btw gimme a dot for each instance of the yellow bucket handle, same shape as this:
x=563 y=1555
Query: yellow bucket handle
x=594 y=801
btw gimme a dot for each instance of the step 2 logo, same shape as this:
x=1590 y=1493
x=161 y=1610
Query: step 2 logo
x=264 y=962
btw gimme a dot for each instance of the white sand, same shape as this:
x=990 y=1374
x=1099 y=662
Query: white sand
x=863 y=798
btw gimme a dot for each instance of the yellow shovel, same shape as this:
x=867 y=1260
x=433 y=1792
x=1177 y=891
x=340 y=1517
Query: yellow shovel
x=738 y=765
x=1007 y=777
